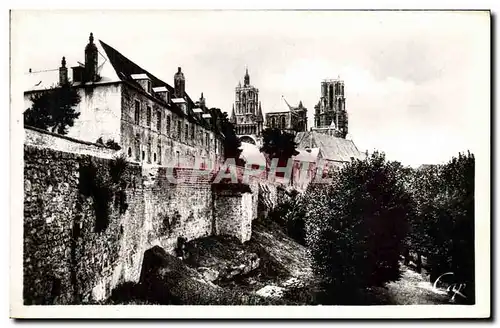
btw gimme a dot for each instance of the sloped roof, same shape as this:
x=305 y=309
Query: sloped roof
x=251 y=154
x=113 y=67
x=332 y=148
x=307 y=156
x=48 y=79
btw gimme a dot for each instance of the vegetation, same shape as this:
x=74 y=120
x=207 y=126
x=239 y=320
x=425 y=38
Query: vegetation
x=278 y=144
x=110 y=143
x=231 y=141
x=290 y=214
x=442 y=228
x=53 y=109
x=356 y=226
x=375 y=211
x=103 y=186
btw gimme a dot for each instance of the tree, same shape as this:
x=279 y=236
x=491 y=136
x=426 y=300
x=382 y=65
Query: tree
x=442 y=227
x=355 y=226
x=231 y=141
x=278 y=144
x=53 y=109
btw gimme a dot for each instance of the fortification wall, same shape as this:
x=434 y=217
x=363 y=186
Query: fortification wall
x=44 y=139
x=86 y=231
x=80 y=244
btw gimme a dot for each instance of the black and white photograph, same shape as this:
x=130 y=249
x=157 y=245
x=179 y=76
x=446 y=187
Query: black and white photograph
x=307 y=163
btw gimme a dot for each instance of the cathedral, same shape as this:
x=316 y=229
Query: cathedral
x=247 y=112
x=330 y=113
x=293 y=120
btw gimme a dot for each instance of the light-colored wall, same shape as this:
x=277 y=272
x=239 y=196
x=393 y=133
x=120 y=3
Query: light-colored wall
x=43 y=139
x=100 y=113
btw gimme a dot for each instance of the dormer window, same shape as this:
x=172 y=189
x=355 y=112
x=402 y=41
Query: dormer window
x=144 y=81
x=162 y=93
x=181 y=102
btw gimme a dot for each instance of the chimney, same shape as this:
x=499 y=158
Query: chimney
x=63 y=72
x=179 y=84
x=91 y=60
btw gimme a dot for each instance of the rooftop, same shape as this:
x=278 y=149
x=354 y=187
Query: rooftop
x=332 y=148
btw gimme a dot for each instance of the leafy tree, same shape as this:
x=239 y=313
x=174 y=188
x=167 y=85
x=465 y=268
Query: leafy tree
x=356 y=226
x=278 y=144
x=442 y=227
x=231 y=142
x=53 y=109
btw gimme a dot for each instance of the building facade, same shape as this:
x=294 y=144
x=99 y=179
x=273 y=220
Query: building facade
x=330 y=114
x=294 y=120
x=153 y=122
x=246 y=114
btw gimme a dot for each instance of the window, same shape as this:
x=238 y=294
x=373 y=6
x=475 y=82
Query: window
x=149 y=86
x=143 y=155
x=207 y=138
x=168 y=124
x=137 y=113
x=149 y=151
x=178 y=158
x=154 y=157
x=158 y=150
x=179 y=130
x=186 y=131
x=137 y=148
x=283 y=123
x=158 y=121
x=192 y=132
x=129 y=152
x=148 y=116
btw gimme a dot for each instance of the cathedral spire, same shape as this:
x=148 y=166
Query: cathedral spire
x=232 y=119
x=259 y=118
x=247 y=78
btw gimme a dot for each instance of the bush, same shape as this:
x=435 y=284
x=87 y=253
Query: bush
x=113 y=145
x=289 y=214
x=356 y=226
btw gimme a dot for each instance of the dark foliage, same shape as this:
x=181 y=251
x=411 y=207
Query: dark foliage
x=290 y=214
x=278 y=144
x=442 y=228
x=53 y=109
x=231 y=141
x=113 y=144
x=356 y=226
x=101 y=186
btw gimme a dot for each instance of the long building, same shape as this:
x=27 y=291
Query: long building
x=153 y=122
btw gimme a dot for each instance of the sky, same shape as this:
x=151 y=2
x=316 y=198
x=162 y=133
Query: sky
x=416 y=83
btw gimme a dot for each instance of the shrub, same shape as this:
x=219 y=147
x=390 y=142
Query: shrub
x=113 y=145
x=289 y=214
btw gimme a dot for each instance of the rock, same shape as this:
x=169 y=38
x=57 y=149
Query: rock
x=209 y=274
x=271 y=291
x=293 y=283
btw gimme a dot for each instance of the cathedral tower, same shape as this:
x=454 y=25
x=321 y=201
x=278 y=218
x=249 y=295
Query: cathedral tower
x=247 y=111
x=330 y=113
